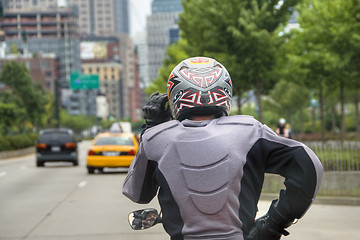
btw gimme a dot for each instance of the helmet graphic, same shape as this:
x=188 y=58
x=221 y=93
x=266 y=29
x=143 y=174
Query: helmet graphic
x=199 y=86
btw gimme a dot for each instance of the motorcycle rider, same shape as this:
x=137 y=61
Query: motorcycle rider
x=209 y=167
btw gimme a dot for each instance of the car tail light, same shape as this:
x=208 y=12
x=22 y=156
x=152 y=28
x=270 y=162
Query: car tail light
x=40 y=145
x=70 y=145
x=92 y=152
x=132 y=152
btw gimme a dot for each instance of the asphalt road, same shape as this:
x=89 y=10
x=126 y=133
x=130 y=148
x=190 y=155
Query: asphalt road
x=61 y=202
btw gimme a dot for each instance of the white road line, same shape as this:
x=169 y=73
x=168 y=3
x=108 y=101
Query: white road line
x=2 y=174
x=82 y=184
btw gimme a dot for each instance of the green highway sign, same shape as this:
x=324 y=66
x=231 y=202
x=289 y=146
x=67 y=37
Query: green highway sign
x=84 y=81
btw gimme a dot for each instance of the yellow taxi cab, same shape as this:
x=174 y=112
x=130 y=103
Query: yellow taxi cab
x=111 y=150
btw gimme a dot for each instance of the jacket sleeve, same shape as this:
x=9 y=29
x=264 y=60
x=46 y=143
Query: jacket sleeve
x=140 y=185
x=301 y=169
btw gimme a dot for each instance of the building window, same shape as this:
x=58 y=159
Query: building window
x=43 y=65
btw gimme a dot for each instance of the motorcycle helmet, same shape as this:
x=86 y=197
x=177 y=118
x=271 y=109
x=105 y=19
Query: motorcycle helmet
x=199 y=86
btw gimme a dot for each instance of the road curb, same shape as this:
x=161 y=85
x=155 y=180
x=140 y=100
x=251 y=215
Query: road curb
x=16 y=153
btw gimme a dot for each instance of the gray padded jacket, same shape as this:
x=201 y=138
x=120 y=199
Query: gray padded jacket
x=210 y=174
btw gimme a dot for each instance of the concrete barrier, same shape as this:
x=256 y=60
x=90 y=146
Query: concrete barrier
x=336 y=188
x=16 y=153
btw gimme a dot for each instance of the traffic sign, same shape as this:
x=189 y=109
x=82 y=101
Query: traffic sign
x=84 y=81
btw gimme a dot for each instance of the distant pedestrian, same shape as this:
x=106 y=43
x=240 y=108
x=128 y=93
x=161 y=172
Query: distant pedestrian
x=281 y=129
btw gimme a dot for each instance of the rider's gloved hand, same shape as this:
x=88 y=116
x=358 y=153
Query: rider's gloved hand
x=156 y=110
x=271 y=226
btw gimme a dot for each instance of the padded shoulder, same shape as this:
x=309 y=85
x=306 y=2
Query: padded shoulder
x=152 y=132
x=237 y=120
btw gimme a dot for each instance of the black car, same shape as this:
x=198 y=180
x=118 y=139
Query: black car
x=56 y=145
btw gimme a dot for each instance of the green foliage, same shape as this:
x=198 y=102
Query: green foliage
x=22 y=104
x=18 y=141
x=77 y=123
x=326 y=48
x=243 y=35
x=287 y=97
x=13 y=48
x=24 y=92
x=48 y=118
x=10 y=116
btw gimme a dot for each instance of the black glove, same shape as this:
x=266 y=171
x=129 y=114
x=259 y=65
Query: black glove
x=270 y=226
x=155 y=110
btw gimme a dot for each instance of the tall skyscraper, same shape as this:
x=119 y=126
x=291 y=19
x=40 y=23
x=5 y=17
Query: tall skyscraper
x=102 y=17
x=96 y=17
x=46 y=31
x=164 y=16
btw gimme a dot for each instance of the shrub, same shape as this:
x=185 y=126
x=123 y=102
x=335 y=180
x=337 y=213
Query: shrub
x=17 y=141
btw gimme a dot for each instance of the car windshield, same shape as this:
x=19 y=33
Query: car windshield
x=114 y=141
x=65 y=137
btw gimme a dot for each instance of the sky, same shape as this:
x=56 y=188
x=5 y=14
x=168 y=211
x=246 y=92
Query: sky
x=139 y=9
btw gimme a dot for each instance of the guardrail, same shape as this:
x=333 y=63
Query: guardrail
x=335 y=156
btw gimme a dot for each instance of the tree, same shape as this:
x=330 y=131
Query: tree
x=310 y=65
x=287 y=98
x=77 y=123
x=331 y=31
x=48 y=118
x=14 y=48
x=24 y=92
x=11 y=115
x=240 y=34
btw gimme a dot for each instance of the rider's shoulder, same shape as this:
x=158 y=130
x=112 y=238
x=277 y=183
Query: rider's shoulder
x=237 y=120
x=152 y=132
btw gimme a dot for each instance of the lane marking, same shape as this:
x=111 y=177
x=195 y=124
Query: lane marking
x=82 y=184
x=2 y=174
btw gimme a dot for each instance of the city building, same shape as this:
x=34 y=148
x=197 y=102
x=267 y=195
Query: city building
x=141 y=52
x=110 y=84
x=45 y=31
x=102 y=106
x=54 y=30
x=27 y=4
x=114 y=60
x=142 y=64
x=38 y=31
x=93 y=18
x=136 y=94
x=102 y=17
x=173 y=34
x=128 y=59
x=159 y=23
x=163 y=6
